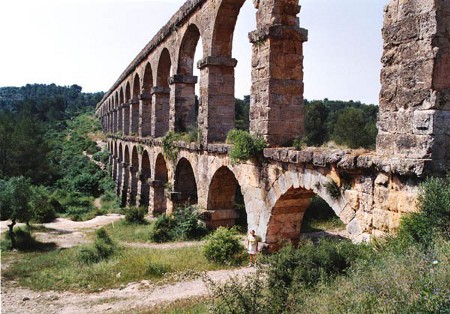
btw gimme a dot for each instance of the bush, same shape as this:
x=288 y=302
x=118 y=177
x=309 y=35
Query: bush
x=103 y=248
x=245 y=146
x=169 y=145
x=42 y=205
x=157 y=269
x=223 y=247
x=135 y=215
x=187 y=224
x=182 y=225
x=294 y=268
x=101 y=156
x=161 y=230
x=433 y=217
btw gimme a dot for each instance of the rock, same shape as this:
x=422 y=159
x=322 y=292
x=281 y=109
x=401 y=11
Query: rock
x=26 y=299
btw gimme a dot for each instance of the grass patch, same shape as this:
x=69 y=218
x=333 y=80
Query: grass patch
x=187 y=306
x=60 y=270
x=123 y=231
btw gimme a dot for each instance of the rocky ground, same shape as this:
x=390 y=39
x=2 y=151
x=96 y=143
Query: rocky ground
x=135 y=296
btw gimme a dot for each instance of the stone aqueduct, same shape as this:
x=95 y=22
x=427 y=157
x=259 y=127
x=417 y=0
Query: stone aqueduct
x=156 y=93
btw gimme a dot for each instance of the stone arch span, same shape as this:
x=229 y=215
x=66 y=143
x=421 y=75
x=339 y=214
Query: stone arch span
x=145 y=106
x=224 y=193
x=289 y=198
x=185 y=184
x=161 y=95
x=184 y=82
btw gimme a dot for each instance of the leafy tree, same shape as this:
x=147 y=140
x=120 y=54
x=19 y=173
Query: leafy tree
x=14 y=202
x=316 y=132
x=352 y=129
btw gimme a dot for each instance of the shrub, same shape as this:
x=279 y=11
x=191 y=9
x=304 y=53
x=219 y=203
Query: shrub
x=161 y=230
x=101 y=156
x=135 y=215
x=223 y=247
x=187 y=225
x=42 y=205
x=103 y=248
x=433 y=217
x=304 y=267
x=245 y=146
x=169 y=145
x=182 y=225
x=157 y=269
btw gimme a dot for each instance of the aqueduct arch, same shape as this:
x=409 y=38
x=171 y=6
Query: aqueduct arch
x=375 y=188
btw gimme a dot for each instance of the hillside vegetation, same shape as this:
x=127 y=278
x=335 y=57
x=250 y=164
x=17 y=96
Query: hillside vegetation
x=45 y=133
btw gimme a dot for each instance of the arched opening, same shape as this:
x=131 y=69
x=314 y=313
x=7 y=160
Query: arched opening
x=120 y=111
x=134 y=106
x=186 y=105
x=144 y=177
x=146 y=102
x=132 y=191
x=185 y=186
x=161 y=95
x=159 y=184
x=116 y=113
x=126 y=110
x=299 y=211
x=226 y=205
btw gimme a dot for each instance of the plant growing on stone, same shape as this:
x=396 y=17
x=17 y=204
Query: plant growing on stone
x=169 y=145
x=333 y=189
x=245 y=146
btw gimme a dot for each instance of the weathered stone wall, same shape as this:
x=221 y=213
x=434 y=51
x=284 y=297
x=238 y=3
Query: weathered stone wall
x=415 y=94
x=277 y=194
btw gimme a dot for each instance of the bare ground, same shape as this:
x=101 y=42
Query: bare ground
x=131 y=298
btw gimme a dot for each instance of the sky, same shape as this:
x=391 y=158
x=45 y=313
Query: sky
x=91 y=42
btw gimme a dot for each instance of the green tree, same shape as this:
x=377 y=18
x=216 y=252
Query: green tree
x=351 y=129
x=14 y=202
x=316 y=132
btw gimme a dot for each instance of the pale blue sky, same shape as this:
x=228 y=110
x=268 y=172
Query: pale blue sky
x=90 y=42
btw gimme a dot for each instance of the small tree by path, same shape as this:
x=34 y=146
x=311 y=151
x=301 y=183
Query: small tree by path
x=14 y=203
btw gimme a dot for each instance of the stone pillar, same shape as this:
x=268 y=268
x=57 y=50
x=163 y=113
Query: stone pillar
x=145 y=114
x=217 y=102
x=114 y=168
x=119 y=120
x=413 y=123
x=143 y=191
x=158 y=199
x=276 y=103
x=134 y=116
x=182 y=103
x=160 y=111
x=124 y=178
x=126 y=118
x=118 y=177
x=132 y=186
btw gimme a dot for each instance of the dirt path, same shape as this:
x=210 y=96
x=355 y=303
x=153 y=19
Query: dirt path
x=66 y=233
x=135 y=296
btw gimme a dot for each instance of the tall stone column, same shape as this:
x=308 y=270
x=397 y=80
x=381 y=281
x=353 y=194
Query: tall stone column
x=126 y=118
x=118 y=177
x=124 y=179
x=217 y=102
x=132 y=186
x=119 y=120
x=414 y=117
x=158 y=200
x=134 y=116
x=145 y=114
x=143 y=191
x=114 y=169
x=182 y=103
x=160 y=111
x=276 y=103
